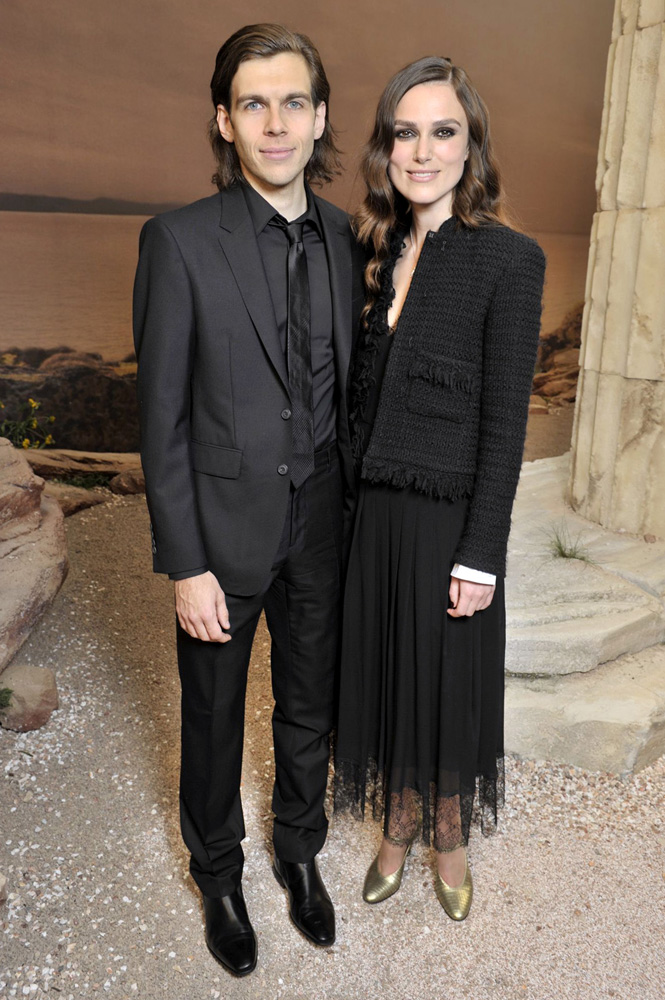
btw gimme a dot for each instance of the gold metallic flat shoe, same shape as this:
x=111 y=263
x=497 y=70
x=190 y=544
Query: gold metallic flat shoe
x=456 y=902
x=378 y=887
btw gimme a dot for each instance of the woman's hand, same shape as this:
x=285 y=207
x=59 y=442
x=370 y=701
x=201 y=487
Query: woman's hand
x=467 y=598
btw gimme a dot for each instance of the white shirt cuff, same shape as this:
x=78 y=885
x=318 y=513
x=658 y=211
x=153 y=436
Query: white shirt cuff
x=473 y=575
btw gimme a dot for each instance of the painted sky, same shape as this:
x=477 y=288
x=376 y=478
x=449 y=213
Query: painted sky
x=111 y=100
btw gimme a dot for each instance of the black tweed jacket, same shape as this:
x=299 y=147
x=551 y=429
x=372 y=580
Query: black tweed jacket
x=454 y=399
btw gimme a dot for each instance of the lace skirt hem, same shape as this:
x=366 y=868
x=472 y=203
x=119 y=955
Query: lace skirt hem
x=442 y=816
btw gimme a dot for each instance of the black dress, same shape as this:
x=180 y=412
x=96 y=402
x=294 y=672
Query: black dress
x=420 y=730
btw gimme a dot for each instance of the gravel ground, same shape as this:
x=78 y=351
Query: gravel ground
x=569 y=894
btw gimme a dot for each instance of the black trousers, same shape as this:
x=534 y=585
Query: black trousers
x=301 y=600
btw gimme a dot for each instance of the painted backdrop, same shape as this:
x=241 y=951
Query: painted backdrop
x=104 y=111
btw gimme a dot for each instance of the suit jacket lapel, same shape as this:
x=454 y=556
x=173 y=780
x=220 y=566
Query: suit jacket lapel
x=238 y=241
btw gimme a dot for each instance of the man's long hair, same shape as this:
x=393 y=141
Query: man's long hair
x=257 y=41
x=477 y=198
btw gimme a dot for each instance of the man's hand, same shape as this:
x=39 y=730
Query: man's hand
x=467 y=598
x=201 y=608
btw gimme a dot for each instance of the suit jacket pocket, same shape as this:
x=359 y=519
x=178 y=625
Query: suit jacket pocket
x=442 y=387
x=214 y=460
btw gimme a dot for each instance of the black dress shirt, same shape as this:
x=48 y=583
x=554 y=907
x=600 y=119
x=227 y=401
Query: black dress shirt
x=273 y=247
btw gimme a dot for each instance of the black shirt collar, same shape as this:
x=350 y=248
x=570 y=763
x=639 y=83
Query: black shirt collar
x=262 y=212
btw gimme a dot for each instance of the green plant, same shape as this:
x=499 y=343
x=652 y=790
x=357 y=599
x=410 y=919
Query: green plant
x=26 y=431
x=5 y=697
x=563 y=546
x=85 y=480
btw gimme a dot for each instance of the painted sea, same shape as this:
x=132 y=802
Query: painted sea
x=66 y=279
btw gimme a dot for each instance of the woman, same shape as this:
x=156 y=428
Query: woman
x=440 y=398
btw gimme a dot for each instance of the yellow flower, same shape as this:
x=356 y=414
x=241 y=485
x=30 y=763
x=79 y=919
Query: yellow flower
x=48 y=439
x=33 y=423
x=2 y=406
x=26 y=442
x=33 y=404
x=51 y=420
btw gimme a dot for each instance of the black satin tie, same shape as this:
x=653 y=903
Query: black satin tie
x=299 y=357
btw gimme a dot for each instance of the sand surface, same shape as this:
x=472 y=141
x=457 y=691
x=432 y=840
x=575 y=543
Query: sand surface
x=569 y=894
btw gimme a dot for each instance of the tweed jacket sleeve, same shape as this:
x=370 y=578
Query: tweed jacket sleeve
x=510 y=343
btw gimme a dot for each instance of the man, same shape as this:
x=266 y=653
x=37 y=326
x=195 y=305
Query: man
x=244 y=307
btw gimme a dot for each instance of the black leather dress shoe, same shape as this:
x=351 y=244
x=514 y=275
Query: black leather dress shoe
x=229 y=934
x=309 y=903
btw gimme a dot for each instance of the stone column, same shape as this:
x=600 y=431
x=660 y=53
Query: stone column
x=618 y=459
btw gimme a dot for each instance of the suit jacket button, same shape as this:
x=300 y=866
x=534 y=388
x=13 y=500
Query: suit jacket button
x=282 y=469
x=285 y=414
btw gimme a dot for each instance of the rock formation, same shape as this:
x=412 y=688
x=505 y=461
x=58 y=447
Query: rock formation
x=33 y=551
x=53 y=462
x=585 y=660
x=128 y=483
x=34 y=697
x=72 y=499
x=557 y=366
x=122 y=469
x=93 y=401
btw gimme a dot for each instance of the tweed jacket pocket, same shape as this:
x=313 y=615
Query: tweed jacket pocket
x=442 y=387
x=214 y=460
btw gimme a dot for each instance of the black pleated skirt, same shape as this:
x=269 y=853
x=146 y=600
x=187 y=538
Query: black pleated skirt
x=420 y=728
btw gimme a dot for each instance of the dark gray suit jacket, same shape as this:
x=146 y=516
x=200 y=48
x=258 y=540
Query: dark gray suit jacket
x=213 y=388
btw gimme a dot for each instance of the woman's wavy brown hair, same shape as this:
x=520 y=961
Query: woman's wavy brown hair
x=256 y=41
x=477 y=198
